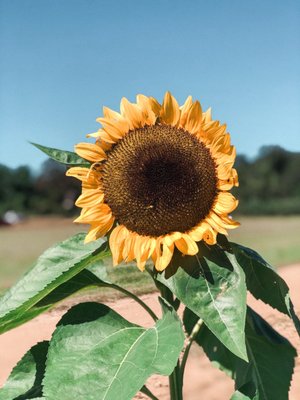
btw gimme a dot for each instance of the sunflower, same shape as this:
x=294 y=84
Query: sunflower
x=159 y=179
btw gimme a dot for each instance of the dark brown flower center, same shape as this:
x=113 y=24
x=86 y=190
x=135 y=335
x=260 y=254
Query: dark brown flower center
x=159 y=179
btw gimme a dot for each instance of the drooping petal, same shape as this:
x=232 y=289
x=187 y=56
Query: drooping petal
x=163 y=256
x=225 y=203
x=187 y=245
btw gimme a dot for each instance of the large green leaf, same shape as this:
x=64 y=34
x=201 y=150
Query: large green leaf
x=96 y=354
x=268 y=374
x=55 y=267
x=85 y=279
x=214 y=289
x=25 y=380
x=264 y=283
x=65 y=157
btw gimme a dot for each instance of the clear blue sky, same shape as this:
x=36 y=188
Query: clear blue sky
x=62 y=60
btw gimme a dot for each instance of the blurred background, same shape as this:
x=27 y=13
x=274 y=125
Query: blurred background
x=61 y=61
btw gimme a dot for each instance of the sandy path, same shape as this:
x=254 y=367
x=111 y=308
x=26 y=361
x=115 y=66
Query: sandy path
x=202 y=380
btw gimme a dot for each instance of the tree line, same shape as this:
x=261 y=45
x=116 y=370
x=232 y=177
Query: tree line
x=269 y=184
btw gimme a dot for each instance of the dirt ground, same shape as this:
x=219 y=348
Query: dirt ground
x=202 y=380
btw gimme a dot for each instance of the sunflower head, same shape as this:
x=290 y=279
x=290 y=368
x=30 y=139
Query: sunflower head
x=160 y=177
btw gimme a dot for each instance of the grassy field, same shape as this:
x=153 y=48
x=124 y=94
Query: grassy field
x=277 y=239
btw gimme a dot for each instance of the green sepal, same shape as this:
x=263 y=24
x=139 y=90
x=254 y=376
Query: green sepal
x=63 y=156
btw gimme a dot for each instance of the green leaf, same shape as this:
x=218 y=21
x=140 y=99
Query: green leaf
x=96 y=354
x=268 y=374
x=63 y=156
x=214 y=289
x=264 y=283
x=25 y=380
x=55 y=267
x=248 y=388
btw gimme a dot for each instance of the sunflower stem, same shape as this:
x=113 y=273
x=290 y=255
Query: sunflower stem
x=192 y=337
x=175 y=381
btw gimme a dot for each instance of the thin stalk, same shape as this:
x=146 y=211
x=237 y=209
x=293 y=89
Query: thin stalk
x=192 y=337
x=134 y=297
x=176 y=384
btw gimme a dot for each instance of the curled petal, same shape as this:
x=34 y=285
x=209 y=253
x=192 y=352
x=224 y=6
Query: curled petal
x=225 y=203
x=187 y=245
x=162 y=255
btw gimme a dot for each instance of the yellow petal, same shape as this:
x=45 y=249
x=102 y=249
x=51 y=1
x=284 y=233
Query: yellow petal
x=98 y=231
x=229 y=182
x=148 y=250
x=78 y=172
x=93 y=135
x=90 y=198
x=170 y=112
x=155 y=106
x=128 y=250
x=225 y=203
x=103 y=135
x=101 y=213
x=116 y=243
x=216 y=224
x=91 y=152
x=171 y=238
x=223 y=221
x=206 y=116
x=187 y=245
x=185 y=108
x=148 y=114
x=197 y=232
x=163 y=258
x=111 y=114
x=115 y=129
x=194 y=118
x=132 y=113
x=210 y=236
